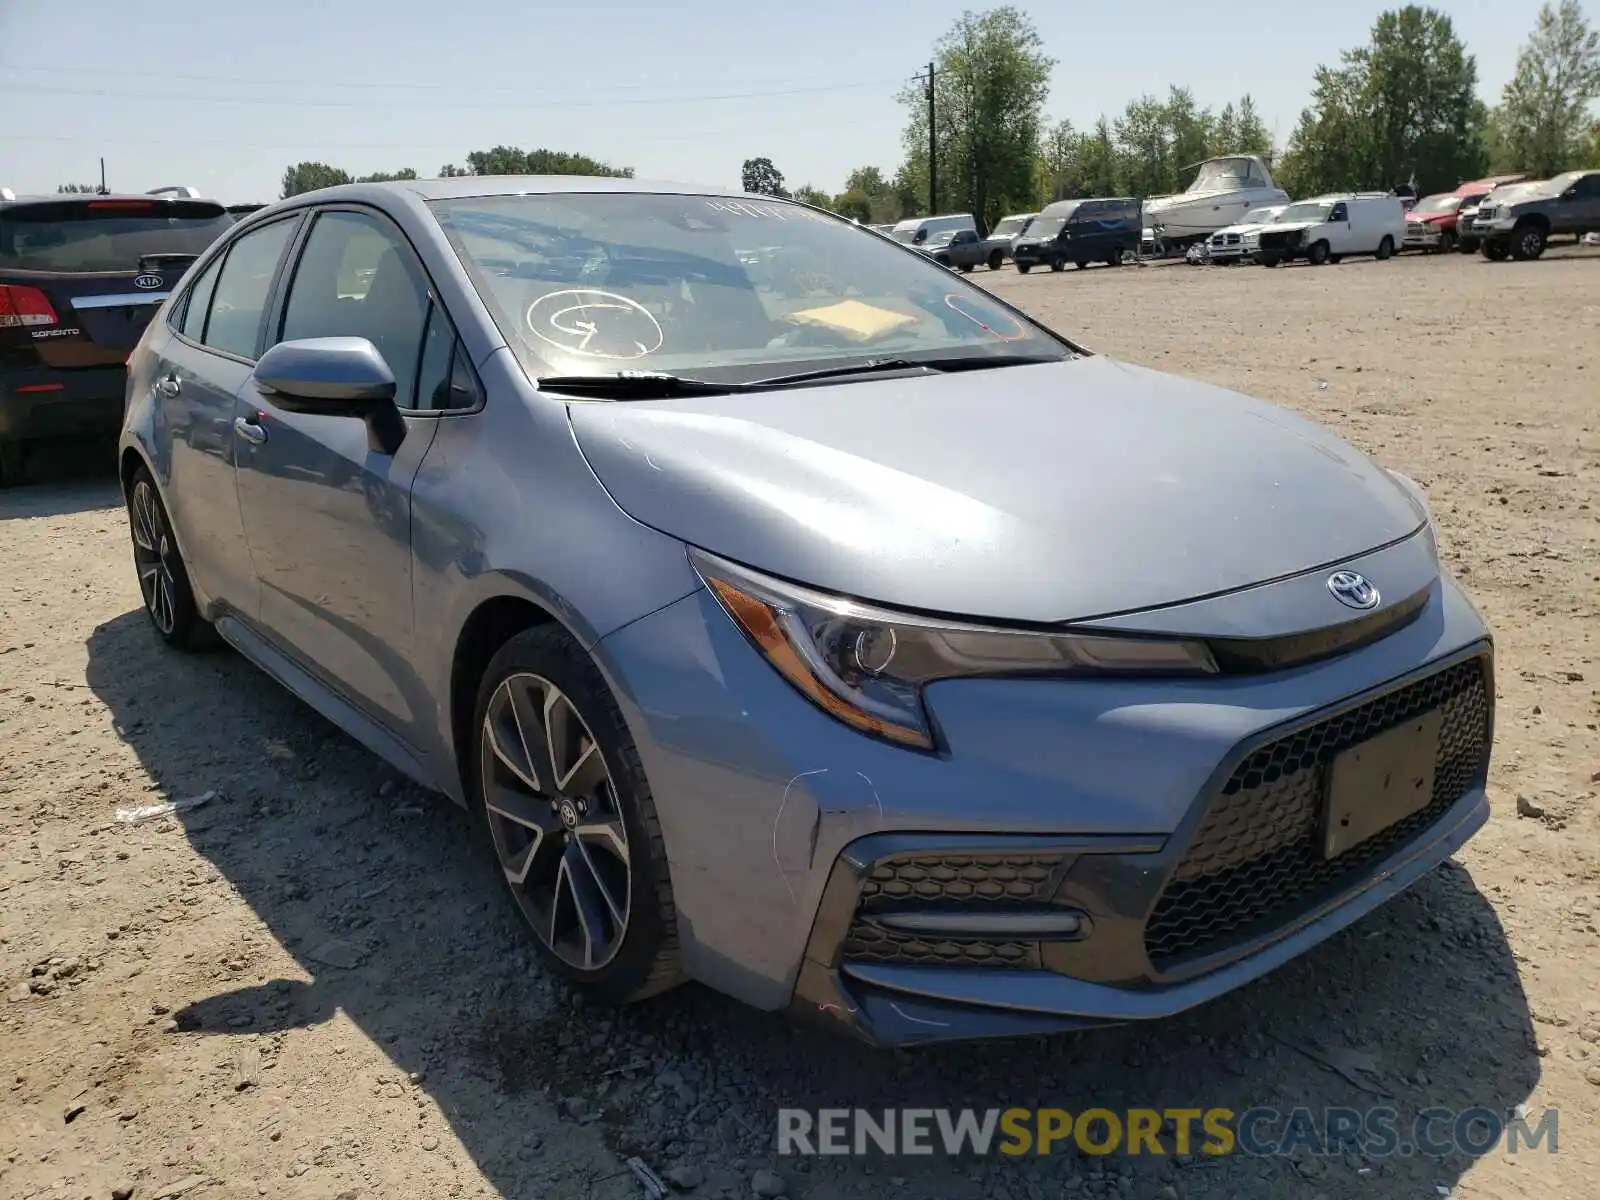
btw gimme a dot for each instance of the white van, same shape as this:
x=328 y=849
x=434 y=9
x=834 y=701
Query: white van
x=919 y=229
x=1328 y=228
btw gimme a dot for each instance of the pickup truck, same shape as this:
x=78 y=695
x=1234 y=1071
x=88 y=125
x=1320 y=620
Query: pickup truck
x=959 y=248
x=1518 y=221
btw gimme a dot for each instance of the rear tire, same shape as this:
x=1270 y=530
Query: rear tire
x=996 y=260
x=1496 y=251
x=163 y=576
x=1024 y=268
x=594 y=887
x=1114 y=259
x=10 y=464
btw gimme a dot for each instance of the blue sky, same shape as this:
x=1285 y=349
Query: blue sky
x=224 y=95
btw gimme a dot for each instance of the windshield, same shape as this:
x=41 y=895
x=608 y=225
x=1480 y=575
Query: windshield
x=1046 y=227
x=1224 y=173
x=1306 y=210
x=1561 y=183
x=1434 y=205
x=1010 y=226
x=1259 y=216
x=904 y=235
x=104 y=235
x=719 y=288
x=940 y=239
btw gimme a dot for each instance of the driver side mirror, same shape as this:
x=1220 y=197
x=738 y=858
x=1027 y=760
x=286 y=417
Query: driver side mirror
x=334 y=377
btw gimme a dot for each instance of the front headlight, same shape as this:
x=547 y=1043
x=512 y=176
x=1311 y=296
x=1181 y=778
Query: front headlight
x=867 y=666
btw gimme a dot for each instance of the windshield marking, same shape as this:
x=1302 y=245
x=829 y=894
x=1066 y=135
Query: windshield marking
x=577 y=332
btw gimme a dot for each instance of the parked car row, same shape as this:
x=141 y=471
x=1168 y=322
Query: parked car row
x=1502 y=216
x=80 y=277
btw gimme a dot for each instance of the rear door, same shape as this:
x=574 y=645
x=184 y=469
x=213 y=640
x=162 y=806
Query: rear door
x=202 y=364
x=76 y=267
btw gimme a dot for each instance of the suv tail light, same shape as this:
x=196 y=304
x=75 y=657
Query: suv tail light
x=24 y=306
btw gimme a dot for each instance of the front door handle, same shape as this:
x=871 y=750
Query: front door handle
x=171 y=385
x=249 y=430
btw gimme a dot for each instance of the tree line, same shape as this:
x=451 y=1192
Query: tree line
x=1402 y=108
x=502 y=160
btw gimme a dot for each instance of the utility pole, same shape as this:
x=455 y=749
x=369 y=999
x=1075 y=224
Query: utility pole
x=933 y=150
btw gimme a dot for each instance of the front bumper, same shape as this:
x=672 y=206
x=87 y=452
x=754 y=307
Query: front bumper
x=1422 y=238
x=792 y=838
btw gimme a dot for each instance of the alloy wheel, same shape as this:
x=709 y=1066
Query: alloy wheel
x=555 y=819
x=153 y=555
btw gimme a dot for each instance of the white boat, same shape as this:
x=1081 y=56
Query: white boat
x=1225 y=189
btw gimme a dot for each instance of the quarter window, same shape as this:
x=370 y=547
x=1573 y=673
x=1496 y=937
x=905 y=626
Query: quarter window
x=198 y=304
x=240 y=296
x=357 y=278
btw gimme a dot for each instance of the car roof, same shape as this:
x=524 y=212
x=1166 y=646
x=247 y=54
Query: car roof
x=78 y=197
x=471 y=186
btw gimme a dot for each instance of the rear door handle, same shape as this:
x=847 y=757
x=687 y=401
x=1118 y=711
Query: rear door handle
x=249 y=430
x=171 y=385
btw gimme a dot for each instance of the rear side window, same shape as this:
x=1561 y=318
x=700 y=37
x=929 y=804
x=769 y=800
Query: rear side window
x=96 y=236
x=240 y=298
x=199 y=303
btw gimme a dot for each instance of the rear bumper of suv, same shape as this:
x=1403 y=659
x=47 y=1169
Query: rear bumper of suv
x=42 y=403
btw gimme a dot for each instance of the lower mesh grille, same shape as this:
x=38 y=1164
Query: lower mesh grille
x=1256 y=858
x=954 y=882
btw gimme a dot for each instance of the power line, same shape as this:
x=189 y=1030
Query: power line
x=364 y=85
x=432 y=106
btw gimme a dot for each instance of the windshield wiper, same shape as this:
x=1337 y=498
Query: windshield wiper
x=965 y=362
x=661 y=385
x=636 y=385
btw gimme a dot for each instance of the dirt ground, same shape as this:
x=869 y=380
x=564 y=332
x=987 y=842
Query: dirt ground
x=309 y=985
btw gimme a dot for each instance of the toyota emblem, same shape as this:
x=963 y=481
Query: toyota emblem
x=147 y=281
x=1353 y=590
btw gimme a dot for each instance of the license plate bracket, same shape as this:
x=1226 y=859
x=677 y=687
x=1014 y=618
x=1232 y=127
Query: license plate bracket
x=1380 y=781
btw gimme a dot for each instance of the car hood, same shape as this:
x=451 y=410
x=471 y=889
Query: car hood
x=1030 y=493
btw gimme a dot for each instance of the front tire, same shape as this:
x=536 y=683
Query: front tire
x=1024 y=268
x=163 y=575
x=1317 y=254
x=1057 y=264
x=557 y=782
x=1447 y=242
x=996 y=260
x=1385 y=249
x=966 y=268
x=1496 y=251
x=1527 y=243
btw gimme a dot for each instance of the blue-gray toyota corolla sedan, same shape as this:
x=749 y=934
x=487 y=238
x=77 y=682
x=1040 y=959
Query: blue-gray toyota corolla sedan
x=797 y=617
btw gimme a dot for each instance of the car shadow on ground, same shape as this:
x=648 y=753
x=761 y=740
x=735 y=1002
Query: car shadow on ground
x=60 y=478
x=384 y=896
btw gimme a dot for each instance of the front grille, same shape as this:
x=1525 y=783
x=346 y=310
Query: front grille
x=1278 y=241
x=960 y=881
x=1256 y=861
x=1487 y=212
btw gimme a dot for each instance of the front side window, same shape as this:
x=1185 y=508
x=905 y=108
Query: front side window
x=1339 y=213
x=240 y=299
x=725 y=288
x=358 y=278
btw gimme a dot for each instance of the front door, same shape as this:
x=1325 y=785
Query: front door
x=327 y=516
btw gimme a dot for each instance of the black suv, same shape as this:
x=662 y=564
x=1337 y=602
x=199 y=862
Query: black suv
x=1520 y=220
x=80 y=277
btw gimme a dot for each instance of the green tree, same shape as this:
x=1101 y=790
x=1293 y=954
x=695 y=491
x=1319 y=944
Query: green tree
x=1542 y=125
x=991 y=80
x=1404 y=104
x=853 y=203
x=387 y=176
x=310 y=176
x=814 y=196
x=867 y=186
x=759 y=176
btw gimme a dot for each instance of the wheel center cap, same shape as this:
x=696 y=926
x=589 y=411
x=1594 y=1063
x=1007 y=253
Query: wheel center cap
x=569 y=814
